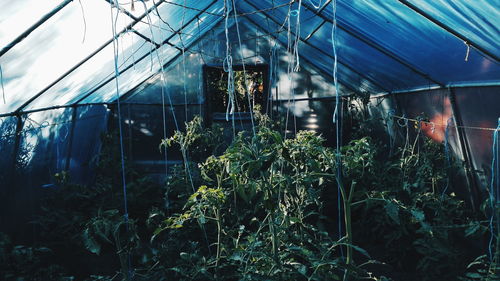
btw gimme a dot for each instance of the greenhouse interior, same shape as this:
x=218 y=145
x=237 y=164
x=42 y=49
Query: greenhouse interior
x=249 y=140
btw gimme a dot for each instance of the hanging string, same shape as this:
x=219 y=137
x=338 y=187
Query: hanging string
x=122 y=154
x=291 y=65
x=316 y=6
x=273 y=75
x=184 y=65
x=201 y=44
x=183 y=50
x=164 y=115
x=243 y=65
x=297 y=62
x=84 y=21
x=405 y=120
x=62 y=135
x=297 y=39
x=228 y=67
x=468 y=51
x=163 y=80
x=201 y=61
x=289 y=39
x=274 y=57
x=494 y=190
x=337 y=120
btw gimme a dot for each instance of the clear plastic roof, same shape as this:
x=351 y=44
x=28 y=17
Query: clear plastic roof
x=60 y=53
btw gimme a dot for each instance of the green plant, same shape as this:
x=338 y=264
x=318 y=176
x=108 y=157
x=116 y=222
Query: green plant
x=110 y=227
x=81 y=224
x=258 y=215
x=19 y=262
x=400 y=202
x=258 y=209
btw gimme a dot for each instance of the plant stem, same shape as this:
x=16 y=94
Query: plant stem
x=219 y=231
x=347 y=219
x=274 y=238
x=122 y=255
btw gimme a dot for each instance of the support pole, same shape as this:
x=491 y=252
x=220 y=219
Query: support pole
x=71 y=137
x=17 y=143
x=465 y=149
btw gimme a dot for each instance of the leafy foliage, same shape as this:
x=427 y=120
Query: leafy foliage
x=81 y=228
x=403 y=217
x=258 y=214
x=258 y=209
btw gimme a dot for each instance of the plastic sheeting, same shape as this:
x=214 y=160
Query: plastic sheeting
x=477 y=20
x=383 y=47
x=53 y=48
x=480 y=112
x=419 y=42
x=77 y=49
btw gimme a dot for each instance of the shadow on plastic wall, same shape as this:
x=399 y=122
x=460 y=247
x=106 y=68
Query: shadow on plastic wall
x=48 y=143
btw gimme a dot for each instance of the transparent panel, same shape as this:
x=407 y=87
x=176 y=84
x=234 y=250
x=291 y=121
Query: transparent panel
x=200 y=26
x=42 y=151
x=366 y=60
x=143 y=129
x=184 y=82
x=7 y=175
x=133 y=76
x=54 y=48
x=44 y=145
x=7 y=140
x=314 y=56
x=313 y=116
x=94 y=72
x=432 y=106
x=21 y=15
x=416 y=40
x=168 y=18
x=91 y=123
x=344 y=74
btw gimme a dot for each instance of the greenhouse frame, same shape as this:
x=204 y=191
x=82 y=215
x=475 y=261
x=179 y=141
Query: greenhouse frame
x=249 y=140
